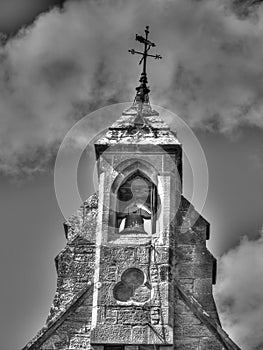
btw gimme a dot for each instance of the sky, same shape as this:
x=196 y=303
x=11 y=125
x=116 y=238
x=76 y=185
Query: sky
x=63 y=60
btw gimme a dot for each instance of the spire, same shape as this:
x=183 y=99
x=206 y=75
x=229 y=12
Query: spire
x=143 y=89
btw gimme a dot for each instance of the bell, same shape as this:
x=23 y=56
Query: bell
x=134 y=222
x=135 y=192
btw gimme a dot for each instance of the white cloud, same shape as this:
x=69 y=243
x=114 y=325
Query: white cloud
x=239 y=293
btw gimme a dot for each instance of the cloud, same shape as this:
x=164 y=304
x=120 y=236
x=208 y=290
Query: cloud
x=239 y=293
x=74 y=60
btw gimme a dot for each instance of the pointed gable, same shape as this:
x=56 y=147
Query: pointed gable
x=139 y=124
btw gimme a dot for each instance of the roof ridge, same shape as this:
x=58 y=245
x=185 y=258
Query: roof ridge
x=204 y=317
x=55 y=322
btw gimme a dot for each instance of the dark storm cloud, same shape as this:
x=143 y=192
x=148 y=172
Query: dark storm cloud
x=239 y=293
x=73 y=60
x=15 y=13
x=58 y=73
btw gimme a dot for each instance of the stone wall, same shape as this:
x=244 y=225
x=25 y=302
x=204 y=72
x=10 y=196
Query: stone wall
x=146 y=317
x=75 y=263
x=195 y=267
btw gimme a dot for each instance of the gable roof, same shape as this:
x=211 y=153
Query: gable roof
x=187 y=298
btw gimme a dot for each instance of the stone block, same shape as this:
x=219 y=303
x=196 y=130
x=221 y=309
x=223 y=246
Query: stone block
x=125 y=316
x=133 y=316
x=85 y=250
x=108 y=273
x=165 y=314
x=192 y=330
x=79 y=342
x=82 y=313
x=117 y=254
x=161 y=294
x=187 y=284
x=56 y=341
x=140 y=335
x=187 y=343
x=71 y=327
x=88 y=300
x=194 y=270
x=206 y=300
x=185 y=319
x=188 y=236
x=107 y=315
x=202 y=286
x=164 y=273
x=211 y=342
x=161 y=255
x=105 y=296
x=154 y=272
x=84 y=258
x=141 y=316
x=160 y=334
x=142 y=254
x=188 y=253
x=108 y=334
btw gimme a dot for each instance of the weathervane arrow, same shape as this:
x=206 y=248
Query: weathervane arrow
x=143 y=90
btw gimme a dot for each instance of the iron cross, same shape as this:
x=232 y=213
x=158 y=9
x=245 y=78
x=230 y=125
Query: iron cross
x=147 y=45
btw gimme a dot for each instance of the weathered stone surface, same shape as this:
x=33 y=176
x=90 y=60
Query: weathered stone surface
x=191 y=330
x=189 y=253
x=79 y=342
x=160 y=334
x=202 y=285
x=162 y=294
x=133 y=316
x=84 y=222
x=71 y=326
x=188 y=344
x=150 y=288
x=111 y=334
x=140 y=335
x=54 y=342
x=154 y=132
x=83 y=314
x=210 y=343
x=194 y=270
x=161 y=255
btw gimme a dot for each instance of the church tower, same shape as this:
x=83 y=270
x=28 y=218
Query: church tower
x=135 y=273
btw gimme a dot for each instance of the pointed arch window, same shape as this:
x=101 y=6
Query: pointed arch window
x=136 y=205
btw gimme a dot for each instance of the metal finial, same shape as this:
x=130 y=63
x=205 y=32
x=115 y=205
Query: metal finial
x=143 y=90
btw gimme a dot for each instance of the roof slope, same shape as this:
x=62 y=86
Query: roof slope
x=139 y=124
x=206 y=319
x=60 y=317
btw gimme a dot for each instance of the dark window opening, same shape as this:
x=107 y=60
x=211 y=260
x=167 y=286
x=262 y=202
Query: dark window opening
x=114 y=347
x=137 y=205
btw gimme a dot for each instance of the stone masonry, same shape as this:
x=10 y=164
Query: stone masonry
x=121 y=287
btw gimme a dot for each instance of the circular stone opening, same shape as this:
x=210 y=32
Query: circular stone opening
x=131 y=279
x=122 y=292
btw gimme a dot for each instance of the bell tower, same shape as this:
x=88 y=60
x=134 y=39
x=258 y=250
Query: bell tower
x=140 y=175
x=135 y=273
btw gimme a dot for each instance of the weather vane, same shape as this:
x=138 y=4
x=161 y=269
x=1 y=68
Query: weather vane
x=143 y=90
